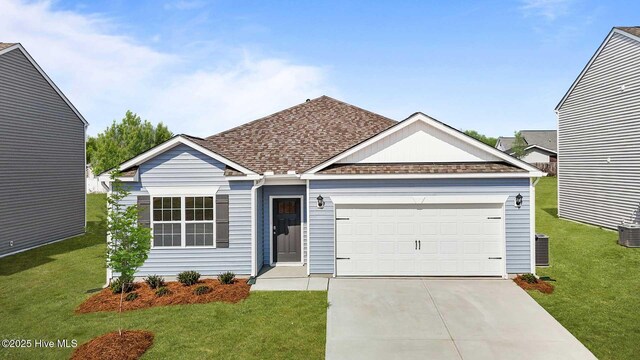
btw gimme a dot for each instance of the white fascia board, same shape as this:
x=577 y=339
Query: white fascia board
x=537 y=173
x=182 y=190
x=175 y=142
x=438 y=125
x=542 y=148
x=593 y=58
x=435 y=199
x=46 y=77
x=243 y=178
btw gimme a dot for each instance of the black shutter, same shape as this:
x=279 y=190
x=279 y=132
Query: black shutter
x=222 y=221
x=144 y=211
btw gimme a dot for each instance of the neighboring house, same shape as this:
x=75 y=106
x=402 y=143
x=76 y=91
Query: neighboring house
x=599 y=135
x=94 y=185
x=339 y=189
x=42 y=156
x=541 y=147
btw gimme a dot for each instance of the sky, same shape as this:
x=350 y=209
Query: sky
x=202 y=67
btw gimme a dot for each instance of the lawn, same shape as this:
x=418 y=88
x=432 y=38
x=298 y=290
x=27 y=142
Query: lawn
x=597 y=296
x=39 y=289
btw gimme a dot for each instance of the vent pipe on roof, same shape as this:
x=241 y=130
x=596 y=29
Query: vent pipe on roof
x=307 y=100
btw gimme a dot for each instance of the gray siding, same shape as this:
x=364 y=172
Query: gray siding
x=517 y=220
x=263 y=214
x=183 y=166
x=42 y=161
x=598 y=122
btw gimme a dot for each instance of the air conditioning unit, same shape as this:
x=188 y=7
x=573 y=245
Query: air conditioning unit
x=629 y=234
x=542 y=250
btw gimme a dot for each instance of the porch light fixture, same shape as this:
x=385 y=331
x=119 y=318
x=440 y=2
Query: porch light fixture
x=320 y=201
x=518 y=201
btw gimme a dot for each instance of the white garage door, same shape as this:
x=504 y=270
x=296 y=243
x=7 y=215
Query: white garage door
x=441 y=240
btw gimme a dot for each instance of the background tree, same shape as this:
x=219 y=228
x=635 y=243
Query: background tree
x=124 y=140
x=491 y=141
x=518 y=146
x=129 y=244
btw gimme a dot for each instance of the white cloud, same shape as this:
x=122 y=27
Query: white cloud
x=549 y=9
x=104 y=73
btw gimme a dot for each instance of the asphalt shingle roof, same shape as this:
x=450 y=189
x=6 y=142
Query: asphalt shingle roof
x=4 y=45
x=297 y=138
x=633 y=30
x=548 y=139
x=421 y=168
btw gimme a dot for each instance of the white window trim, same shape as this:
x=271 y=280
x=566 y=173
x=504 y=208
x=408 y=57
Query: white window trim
x=183 y=193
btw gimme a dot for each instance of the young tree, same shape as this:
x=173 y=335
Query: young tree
x=129 y=244
x=518 y=145
x=491 y=141
x=124 y=140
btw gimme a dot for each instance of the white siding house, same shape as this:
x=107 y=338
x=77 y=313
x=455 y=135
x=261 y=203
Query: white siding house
x=599 y=135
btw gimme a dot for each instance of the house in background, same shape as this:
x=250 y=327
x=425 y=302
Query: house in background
x=541 y=146
x=334 y=189
x=42 y=156
x=599 y=135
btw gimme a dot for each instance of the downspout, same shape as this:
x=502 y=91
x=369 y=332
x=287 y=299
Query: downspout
x=254 y=230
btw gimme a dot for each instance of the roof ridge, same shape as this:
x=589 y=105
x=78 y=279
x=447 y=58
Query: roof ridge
x=305 y=103
x=356 y=107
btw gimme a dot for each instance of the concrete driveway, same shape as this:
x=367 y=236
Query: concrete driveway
x=442 y=319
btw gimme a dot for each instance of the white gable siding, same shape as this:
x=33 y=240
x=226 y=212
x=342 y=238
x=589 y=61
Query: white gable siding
x=599 y=139
x=536 y=156
x=418 y=142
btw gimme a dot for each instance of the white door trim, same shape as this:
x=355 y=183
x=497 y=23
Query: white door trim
x=271 y=247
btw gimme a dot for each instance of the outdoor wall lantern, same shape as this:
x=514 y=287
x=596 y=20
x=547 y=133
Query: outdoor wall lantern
x=320 y=201
x=518 y=201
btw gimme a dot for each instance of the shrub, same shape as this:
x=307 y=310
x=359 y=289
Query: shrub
x=201 y=290
x=188 y=277
x=226 y=277
x=131 y=296
x=154 y=281
x=162 y=291
x=530 y=278
x=116 y=285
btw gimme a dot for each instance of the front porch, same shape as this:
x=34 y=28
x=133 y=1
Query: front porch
x=288 y=278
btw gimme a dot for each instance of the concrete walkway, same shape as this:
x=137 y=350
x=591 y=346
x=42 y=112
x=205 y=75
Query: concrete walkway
x=442 y=319
x=288 y=278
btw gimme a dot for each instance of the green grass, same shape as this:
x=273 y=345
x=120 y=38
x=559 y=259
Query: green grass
x=39 y=289
x=597 y=295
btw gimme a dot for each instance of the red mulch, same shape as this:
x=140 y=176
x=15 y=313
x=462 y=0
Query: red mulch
x=542 y=286
x=130 y=346
x=105 y=300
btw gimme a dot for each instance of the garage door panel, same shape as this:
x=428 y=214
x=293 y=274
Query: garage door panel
x=454 y=240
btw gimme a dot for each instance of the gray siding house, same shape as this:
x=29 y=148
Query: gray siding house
x=599 y=135
x=42 y=157
x=541 y=146
x=337 y=190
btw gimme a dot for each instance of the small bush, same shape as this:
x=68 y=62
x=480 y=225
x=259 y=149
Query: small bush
x=116 y=285
x=154 y=281
x=131 y=296
x=188 y=277
x=529 y=278
x=162 y=291
x=226 y=277
x=201 y=290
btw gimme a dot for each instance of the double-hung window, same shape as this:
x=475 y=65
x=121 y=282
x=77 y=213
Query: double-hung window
x=167 y=221
x=199 y=220
x=183 y=220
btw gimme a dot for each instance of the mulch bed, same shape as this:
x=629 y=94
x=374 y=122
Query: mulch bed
x=105 y=300
x=130 y=346
x=542 y=286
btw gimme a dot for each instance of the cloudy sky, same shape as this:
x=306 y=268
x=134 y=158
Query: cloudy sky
x=206 y=66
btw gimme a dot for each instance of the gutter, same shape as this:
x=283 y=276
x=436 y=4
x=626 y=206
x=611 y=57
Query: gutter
x=254 y=230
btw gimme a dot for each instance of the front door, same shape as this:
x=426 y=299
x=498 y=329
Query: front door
x=287 y=230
